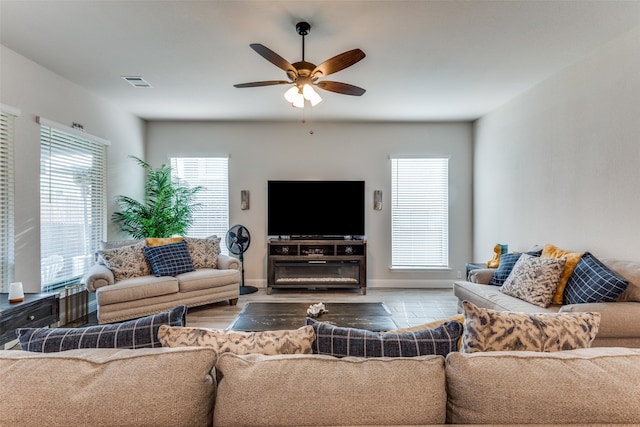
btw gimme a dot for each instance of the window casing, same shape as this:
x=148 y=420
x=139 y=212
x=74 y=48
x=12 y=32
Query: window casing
x=419 y=213
x=72 y=202
x=7 y=257
x=212 y=174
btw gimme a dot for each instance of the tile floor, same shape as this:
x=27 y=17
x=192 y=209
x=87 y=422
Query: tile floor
x=410 y=307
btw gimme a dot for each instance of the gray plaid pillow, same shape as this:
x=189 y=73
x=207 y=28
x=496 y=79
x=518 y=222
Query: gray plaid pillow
x=138 y=333
x=169 y=260
x=342 y=342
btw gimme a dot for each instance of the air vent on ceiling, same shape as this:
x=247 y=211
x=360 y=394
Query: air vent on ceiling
x=137 y=81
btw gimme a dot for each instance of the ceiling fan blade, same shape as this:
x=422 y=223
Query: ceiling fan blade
x=338 y=62
x=264 y=83
x=274 y=58
x=343 y=88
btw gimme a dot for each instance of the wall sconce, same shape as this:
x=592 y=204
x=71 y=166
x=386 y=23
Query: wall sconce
x=244 y=200
x=377 y=200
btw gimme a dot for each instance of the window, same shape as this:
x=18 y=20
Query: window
x=72 y=202
x=420 y=213
x=212 y=174
x=6 y=197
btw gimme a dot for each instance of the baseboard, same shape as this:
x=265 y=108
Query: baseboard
x=385 y=284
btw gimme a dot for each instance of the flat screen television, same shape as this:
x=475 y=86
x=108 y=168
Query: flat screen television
x=315 y=209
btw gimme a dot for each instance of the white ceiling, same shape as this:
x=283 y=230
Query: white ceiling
x=426 y=60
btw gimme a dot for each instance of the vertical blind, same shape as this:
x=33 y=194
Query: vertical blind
x=72 y=203
x=212 y=174
x=420 y=212
x=6 y=200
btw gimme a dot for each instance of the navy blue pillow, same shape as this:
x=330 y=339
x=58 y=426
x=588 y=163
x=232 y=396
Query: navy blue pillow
x=592 y=281
x=169 y=260
x=138 y=333
x=507 y=261
x=341 y=342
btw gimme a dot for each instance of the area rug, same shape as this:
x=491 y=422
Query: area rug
x=265 y=316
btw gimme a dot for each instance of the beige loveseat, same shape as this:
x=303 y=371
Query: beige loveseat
x=131 y=295
x=191 y=386
x=620 y=322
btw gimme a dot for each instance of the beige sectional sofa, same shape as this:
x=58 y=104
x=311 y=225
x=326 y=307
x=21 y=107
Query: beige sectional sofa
x=122 y=294
x=192 y=386
x=620 y=322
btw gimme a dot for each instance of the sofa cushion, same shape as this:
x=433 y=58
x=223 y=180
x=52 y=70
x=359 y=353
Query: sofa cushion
x=204 y=252
x=490 y=297
x=138 y=333
x=297 y=341
x=630 y=271
x=297 y=390
x=108 y=387
x=170 y=259
x=136 y=288
x=340 y=342
x=490 y=330
x=429 y=325
x=126 y=261
x=577 y=387
x=592 y=281
x=572 y=259
x=534 y=279
x=207 y=278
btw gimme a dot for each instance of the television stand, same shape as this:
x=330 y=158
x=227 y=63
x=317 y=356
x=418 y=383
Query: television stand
x=317 y=263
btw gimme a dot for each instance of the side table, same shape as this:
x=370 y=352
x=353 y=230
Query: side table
x=36 y=311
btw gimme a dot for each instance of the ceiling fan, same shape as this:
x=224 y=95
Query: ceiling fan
x=304 y=75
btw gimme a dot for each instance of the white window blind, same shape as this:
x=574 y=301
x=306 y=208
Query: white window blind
x=72 y=202
x=6 y=200
x=419 y=212
x=212 y=174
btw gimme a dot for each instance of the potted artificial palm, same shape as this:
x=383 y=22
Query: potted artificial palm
x=167 y=209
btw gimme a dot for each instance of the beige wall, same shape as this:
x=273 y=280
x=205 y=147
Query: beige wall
x=259 y=152
x=561 y=163
x=35 y=91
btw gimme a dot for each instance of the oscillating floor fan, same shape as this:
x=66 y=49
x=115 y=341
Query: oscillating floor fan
x=238 y=240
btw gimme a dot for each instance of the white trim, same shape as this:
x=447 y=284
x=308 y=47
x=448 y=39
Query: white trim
x=46 y=122
x=10 y=110
x=198 y=155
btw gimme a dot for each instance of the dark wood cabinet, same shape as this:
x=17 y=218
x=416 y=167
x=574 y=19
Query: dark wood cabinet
x=36 y=311
x=317 y=264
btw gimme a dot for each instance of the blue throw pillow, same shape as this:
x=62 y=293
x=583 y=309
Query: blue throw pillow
x=341 y=342
x=169 y=260
x=507 y=261
x=138 y=333
x=592 y=281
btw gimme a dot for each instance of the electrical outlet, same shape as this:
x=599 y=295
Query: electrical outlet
x=459 y=274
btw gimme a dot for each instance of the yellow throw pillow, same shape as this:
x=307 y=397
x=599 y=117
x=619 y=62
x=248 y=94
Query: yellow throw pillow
x=551 y=251
x=159 y=241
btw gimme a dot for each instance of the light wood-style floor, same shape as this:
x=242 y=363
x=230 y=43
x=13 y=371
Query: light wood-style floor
x=410 y=307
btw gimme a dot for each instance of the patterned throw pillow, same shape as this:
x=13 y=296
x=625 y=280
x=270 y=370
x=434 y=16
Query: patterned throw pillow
x=169 y=260
x=507 y=261
x=126 y=261
x=342 y=342
x=490 y=330
x=534 y=279
x=204 y=252
x=133 y=334
x=572 y=259
x=592 y=281
x=296 y=341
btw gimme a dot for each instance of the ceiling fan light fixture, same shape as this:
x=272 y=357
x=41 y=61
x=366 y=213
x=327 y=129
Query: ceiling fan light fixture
x=309 y=93
x=291 y=94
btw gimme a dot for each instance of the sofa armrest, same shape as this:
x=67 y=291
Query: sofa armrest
x=226 y=262
x=481 y=275
x=98 y=276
